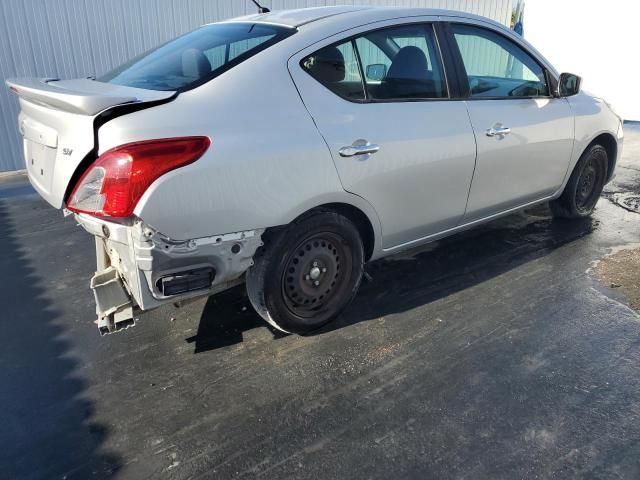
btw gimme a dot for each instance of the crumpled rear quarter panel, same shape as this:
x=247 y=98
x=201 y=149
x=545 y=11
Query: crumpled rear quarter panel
x=267 y=162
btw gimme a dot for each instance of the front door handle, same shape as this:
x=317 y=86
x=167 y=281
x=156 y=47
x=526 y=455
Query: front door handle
x=359 y=147
x=498 y=131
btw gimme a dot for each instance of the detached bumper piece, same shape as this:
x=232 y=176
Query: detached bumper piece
x=189 y=281
x=139 y=269
x=113 y=303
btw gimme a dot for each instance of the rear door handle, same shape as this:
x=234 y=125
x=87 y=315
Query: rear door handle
x=498 y=131
x=359 y=147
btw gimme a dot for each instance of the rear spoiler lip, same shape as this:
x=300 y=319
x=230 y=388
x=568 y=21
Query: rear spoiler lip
x=80 y=96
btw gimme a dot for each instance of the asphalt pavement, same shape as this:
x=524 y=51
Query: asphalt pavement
x=490 y=354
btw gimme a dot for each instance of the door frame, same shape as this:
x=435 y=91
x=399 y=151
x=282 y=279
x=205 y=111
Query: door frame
x=295 y=67
x=448 y=67
x=550 y=75
x=453 y=52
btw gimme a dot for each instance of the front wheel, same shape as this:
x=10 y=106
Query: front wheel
x=305 y=275
x=585 y=185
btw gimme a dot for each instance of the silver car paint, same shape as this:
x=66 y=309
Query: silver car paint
x=593 y=117
x=275 y=133
x=267 y=163
x=419 y=180
x=57 y=123
x=82 y=96
x=528 y=164
x=49 y=170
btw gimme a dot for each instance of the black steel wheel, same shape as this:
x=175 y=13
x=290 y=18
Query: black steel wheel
x=307 y=274
x=315 y=274
x=586 y=190
x=585 y=185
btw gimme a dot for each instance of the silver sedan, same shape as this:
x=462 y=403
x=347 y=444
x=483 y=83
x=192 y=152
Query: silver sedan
x=287 y=149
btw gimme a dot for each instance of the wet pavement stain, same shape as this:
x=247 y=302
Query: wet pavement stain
x=629 y=201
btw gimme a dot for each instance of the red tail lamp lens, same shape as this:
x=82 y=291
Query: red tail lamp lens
x=116 y=181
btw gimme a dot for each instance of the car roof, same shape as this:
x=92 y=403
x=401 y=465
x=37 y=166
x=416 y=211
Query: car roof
x=299 y=16
x=302 y=16
x=322 y=22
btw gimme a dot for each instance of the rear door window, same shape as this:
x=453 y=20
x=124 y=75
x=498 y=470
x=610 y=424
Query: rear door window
x=197 y=57
x=336 y=67
x=402 y=63
x=396 y=63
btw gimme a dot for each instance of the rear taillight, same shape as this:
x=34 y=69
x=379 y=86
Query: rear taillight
x=115 y=182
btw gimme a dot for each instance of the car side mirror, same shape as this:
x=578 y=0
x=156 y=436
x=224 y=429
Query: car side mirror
x=376 y=72
x=569 y=84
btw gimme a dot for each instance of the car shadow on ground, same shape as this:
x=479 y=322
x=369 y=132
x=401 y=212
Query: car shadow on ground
x=414 y=278
x=47 y=431
x=225 y=318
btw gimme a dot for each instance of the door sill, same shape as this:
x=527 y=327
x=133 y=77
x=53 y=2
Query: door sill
x=464 y=226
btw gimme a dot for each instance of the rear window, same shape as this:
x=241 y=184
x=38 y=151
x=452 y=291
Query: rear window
x=196 y=57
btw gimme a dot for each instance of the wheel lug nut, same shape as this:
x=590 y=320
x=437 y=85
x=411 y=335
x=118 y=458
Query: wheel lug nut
x=316 y=283
x=324 y=269
x=307 y=277
x=315 y=264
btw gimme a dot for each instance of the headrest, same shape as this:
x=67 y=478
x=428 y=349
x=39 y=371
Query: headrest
x=195 y=64
x=327 y=65
x=409 y=63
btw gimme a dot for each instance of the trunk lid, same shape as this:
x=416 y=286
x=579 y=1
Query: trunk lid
x=57 y=125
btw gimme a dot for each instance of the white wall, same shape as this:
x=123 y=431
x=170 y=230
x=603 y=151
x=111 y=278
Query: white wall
x=596 y=40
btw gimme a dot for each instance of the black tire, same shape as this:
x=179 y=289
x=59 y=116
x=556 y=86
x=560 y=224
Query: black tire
x=585 y=185
x=293 y=293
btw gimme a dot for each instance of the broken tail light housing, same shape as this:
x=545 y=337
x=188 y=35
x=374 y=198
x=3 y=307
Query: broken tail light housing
x=115 y=182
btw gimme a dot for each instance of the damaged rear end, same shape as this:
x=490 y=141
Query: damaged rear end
x=138 y=268
x=58 y=122
x=86 y=153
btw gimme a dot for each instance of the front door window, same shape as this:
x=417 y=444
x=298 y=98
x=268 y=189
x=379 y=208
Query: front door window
x=496 y=67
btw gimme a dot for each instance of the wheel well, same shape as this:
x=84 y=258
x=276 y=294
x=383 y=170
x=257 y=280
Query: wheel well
x=357 y=216
x=610 y=144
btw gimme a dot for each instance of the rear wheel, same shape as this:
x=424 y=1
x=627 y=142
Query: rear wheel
x=585 y=185
x=305 y=275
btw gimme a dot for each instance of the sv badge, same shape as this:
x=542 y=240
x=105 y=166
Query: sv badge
x=67 y=151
